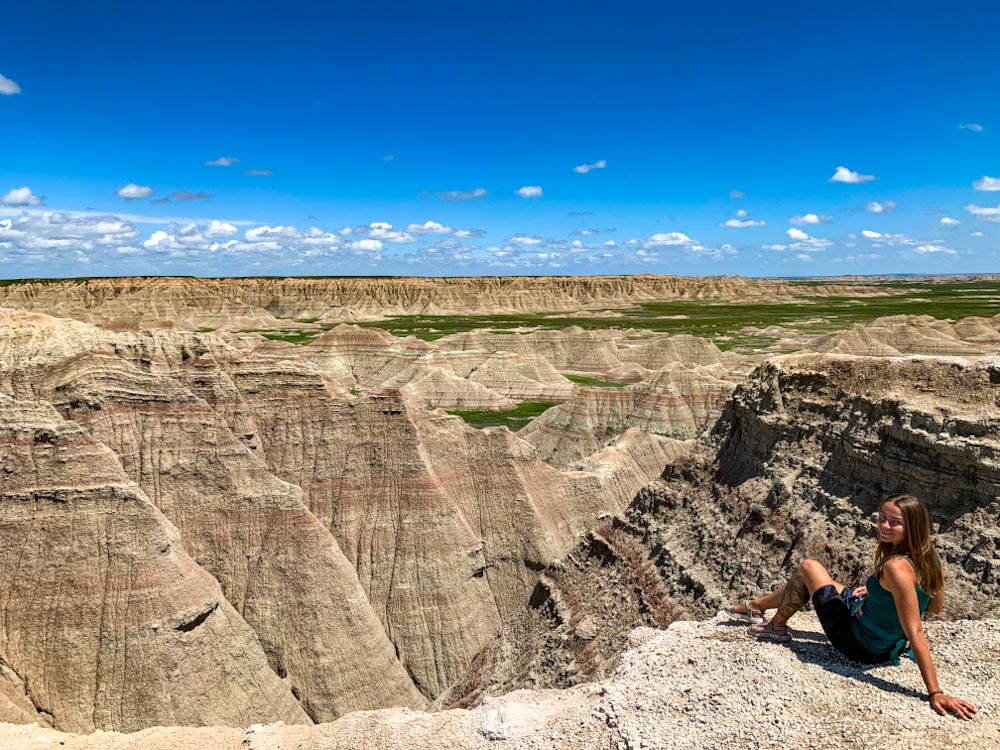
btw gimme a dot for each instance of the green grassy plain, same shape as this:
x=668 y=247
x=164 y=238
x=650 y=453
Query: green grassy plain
x=514 y=419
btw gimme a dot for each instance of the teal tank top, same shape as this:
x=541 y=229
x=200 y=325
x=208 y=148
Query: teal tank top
x=875 y=623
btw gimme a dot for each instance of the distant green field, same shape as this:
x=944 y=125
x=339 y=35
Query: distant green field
x=721 y=322
x=592 y=382
x=514 y=419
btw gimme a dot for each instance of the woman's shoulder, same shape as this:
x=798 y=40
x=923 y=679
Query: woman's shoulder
x=900 y=567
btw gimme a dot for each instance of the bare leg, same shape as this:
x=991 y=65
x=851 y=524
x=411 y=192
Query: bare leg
x=808 y=576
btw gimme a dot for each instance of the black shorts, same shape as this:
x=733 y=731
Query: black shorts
x=835 y=617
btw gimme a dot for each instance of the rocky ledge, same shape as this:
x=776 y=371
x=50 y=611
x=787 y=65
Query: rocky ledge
x=697 y=684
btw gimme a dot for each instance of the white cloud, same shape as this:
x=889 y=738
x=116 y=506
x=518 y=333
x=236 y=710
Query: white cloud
x=133 y=192
x=222 y=161
x=463 y=195
x=368 y=245
x=804 y=257
x=382 y=230
x=22 y=196
x=928 y=249
x=737 y=194
x=742 y=223
x=584 y=168
x=8 y=87
x=522 y=239
x=987 y=212
x=52 y=230
x=987 y=183
x=975 y=127
x=949 y=222
x=804 y=243
x=668 y=239
x=872 y=235
x=465 y=234
x=884 y=207
x=530 y=191
x=843 y=174
x=975 y=234
x=258 y=172
x=428 y=227
x=807 y=219
x=217 y=229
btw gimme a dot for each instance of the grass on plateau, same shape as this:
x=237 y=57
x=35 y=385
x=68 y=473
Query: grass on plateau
x=592 y=382
x=513 y=419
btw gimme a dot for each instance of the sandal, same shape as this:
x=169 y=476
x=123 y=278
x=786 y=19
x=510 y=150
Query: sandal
x=753 y=616
x=768 y=632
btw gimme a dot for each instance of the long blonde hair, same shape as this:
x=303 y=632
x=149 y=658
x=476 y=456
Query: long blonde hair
x=917 y=545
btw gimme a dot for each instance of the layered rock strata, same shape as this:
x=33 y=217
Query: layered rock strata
x=678 y=401
x=254 y=303
x=106 y=621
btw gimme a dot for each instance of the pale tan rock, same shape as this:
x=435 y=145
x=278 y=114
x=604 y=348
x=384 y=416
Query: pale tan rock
x=677 y=401
x=107 y=620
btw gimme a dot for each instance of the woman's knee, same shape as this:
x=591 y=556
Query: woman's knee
x=812 y=567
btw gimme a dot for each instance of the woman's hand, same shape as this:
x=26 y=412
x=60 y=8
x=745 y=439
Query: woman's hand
x=944 y=704
x=861 y=590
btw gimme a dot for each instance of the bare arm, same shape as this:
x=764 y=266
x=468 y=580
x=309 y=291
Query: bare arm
x=900 y=579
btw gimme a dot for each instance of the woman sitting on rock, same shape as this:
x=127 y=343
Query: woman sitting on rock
x=871 y=623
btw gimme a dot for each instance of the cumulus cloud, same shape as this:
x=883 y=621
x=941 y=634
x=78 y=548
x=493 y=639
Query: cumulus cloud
x=465 y=234
x=975 y=127
x=222 y=161
x=742 y=221
x=803 y=242
x=8 y=87
x=367 y=245
x=666 y=239
x=872 y=235
x=428 y=227
x=382 y=230
x=133 y=192
x=523 y=239
x=530 y=191
x=843 y=174
x=884 y=207
x=463 y=195
x=806 y=219
x=948 y=221
x=258 y=172
x=60 y=231
x=987 y=183
x=989 y=213
x=22 y=196
x=737 y=194
x=584 y=168
x=804 y=257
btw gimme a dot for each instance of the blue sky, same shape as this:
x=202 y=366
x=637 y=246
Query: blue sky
x=245 y=138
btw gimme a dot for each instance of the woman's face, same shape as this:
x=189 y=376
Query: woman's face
x=891 y=528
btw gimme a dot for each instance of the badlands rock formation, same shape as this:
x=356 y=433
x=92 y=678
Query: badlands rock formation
x=368 y=547
x=253 y=303
x=796 y=468
x=678 y=401
x=898 y=335
x=685 y=687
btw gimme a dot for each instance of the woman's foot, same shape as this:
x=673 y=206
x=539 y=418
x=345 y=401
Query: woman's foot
x=745 y=612
x=768 y=631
